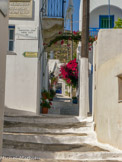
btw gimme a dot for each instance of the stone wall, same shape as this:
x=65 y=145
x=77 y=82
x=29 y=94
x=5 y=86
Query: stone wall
x=107 y=72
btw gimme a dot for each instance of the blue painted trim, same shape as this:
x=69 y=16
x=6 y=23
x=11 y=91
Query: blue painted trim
x=11 y=27
x=101 y=16
x=93 y=31
x=94 y=28
x=91 y=69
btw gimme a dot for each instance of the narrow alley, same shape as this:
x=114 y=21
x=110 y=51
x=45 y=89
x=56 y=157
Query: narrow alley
x=60 y=80
x=63 y=105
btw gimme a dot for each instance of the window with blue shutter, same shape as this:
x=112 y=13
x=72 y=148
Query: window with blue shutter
x=104 y=21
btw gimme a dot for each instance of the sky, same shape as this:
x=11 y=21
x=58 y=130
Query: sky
x=76 y=4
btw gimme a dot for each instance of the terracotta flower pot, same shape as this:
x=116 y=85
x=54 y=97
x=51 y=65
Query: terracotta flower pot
x=50 y=99
x=44 y=110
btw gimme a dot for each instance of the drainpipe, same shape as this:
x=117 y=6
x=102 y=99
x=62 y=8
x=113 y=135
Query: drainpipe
x=72 y=34
x=109 y=10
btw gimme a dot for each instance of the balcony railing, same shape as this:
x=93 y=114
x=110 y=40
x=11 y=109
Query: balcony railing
x=53 y=8
x=93 y=31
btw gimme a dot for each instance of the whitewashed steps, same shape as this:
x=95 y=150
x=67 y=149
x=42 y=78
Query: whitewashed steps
x=52 y=160
x=49 y=138
x=59 y=119
x=39 y=125
x=76 y=156
x=53 y=137
x=35 y=130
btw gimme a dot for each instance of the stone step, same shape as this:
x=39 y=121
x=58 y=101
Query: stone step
x=49 y=139
x=9 y=124
x=61 y=156
x=47 y=119
x=50 y=146
x=52 y=160
x=38 y=130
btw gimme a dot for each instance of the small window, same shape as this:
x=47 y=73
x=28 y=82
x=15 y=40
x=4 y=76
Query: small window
x=104 y=22
x=11 y=37
x=120 y=88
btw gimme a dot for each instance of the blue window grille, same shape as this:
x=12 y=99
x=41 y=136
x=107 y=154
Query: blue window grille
x=53 y=8
x=11 y=38
x=104 y=21
x=103 y=24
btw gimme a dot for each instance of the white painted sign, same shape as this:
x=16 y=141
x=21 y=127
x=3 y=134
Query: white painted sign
x=27 y=32
x=4 y=7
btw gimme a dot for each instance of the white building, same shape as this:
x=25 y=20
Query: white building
x=102 y=16
x=107 y=70
x=101 y=13
x=107 y=87
x=23 y=64
x=27 y=68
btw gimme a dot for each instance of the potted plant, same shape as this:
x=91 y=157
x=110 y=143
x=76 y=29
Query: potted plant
x=52 y=94
x=45 y=101
x=45 y=104
x=45 y=94
x=74 y=100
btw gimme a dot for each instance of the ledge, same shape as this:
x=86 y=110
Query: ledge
x=120 y=101
x=11 y=53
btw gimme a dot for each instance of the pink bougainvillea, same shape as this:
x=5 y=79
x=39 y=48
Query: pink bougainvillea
x=69 y=72
x=62 y=42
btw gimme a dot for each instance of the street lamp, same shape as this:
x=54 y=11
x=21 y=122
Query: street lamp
x=109 y=13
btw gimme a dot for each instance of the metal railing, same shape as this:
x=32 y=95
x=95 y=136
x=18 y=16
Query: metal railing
x=93 y=31
x=53 y=8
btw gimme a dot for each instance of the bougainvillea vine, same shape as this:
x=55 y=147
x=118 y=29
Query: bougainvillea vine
x=69 y=73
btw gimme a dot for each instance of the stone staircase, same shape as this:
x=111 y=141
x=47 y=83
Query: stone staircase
x=53 y=138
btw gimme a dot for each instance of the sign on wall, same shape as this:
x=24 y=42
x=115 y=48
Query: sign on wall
x=4 y=7
x=20 y=8
x=27 y=32
x=30 y=54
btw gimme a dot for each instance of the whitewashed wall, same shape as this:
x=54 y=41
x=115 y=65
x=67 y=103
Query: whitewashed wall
x=97 y=3
x=107 y=108
x=103 y=10
x=3 y=51
x=97 y=7
x=23 y=74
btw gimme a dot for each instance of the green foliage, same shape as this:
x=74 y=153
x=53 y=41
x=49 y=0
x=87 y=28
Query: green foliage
x=45 y=94
x=52 y=93
x=45 y=103
x=66 y=37
x=75 y=36
x=74 y=56
x=67 y=93
x=45 y=99
x=118 y=23
x=74 y=98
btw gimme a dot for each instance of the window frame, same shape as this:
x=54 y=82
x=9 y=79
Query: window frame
x=119 y=88
x=106 y=16
x=11 y=27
